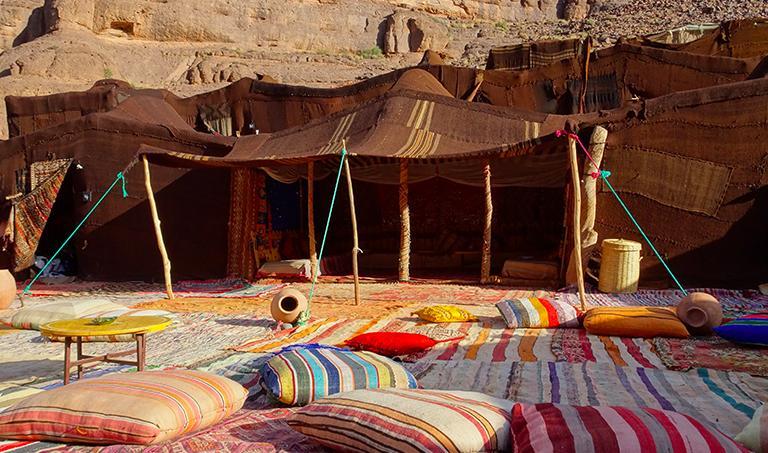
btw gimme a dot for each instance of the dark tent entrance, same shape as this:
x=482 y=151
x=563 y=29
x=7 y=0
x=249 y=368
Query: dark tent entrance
x=447 y=221
x=269 y=222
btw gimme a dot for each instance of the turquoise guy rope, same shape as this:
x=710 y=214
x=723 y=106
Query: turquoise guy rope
x=120 y=177
x=304 y=316
x=605 y=174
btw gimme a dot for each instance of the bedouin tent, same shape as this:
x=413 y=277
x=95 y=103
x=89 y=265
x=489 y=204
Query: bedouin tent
x=103 y=129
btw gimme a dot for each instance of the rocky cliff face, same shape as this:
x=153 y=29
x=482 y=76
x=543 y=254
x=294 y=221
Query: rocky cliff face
x=190 y=46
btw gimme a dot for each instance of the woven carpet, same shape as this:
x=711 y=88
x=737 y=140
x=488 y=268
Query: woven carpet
x=194 y=339
x=711 y=352
x=576 y=345
x=709 y=395
x=734 y=302
x=224 y=288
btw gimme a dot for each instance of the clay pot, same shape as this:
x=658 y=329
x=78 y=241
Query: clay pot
x=7 y=288
x=288 y=304
x=700 y=312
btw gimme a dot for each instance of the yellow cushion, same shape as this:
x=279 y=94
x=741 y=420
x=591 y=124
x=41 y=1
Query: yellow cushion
x=444 y=313
x=643 y=322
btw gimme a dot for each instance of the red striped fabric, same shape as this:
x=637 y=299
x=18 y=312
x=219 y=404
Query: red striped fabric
x=544 y=428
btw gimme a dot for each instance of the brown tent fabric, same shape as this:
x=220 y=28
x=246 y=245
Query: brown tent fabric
x=714 y=234
x=745 y=38
x=535 y=54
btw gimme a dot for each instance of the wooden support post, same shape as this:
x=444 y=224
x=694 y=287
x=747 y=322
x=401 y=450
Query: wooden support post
x=404 y=264
x=355 y=245
x=589 y=209
x=311 y=217
x=485 y=267
x=577 y=220
x=158 y=231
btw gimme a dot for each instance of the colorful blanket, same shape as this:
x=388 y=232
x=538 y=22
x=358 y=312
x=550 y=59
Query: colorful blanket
x=217 y=288
x=713 y=396
x=711 y=352
x=577 y=346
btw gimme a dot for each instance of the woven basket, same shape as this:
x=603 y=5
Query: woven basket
x=619 y=266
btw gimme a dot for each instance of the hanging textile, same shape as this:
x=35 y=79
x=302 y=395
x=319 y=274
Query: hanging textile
x=30 y=213
x=252 y=241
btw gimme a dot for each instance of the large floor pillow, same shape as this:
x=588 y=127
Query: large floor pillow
x=35 y=316
x=534 y=312
x=638 y=322
x=143 y=408
x=122 y=311
x=545 y=428
x=389 y=420
x=750 y=329
x=300 y=375
x=755 y=435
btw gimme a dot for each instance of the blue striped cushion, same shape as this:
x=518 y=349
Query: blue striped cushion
x=299 y=375
x=751 y=329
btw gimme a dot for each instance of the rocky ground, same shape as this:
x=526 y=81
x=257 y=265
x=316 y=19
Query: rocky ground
x=191 y=46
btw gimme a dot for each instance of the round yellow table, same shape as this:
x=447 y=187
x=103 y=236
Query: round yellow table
x=77 y=329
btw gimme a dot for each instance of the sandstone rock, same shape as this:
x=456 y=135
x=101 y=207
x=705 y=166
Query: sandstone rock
x=407 y=32
x=575 y=9
x=69 y=13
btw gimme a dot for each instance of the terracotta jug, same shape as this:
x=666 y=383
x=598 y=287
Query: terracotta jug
x=7 y=288
x=288 y=304
x=700 y=312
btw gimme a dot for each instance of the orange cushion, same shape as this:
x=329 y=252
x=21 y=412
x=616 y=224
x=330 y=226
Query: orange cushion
x=643 y=322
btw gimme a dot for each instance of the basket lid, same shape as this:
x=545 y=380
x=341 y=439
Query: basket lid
x=622 y=245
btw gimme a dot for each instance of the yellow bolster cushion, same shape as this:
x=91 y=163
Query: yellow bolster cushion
x=643 y=322
x=444 y=313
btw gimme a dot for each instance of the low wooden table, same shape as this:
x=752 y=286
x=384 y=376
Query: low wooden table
x=76 y=329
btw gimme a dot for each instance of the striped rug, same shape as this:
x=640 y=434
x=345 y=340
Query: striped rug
x=713 y=396
x=576 y=346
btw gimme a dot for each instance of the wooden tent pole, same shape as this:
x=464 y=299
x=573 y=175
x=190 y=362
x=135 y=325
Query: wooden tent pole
x=404 y=263
x=577 y=220
x=589 y=209
x=311 y=218
x=158 y=231
x=355 y=247
x=485 y=267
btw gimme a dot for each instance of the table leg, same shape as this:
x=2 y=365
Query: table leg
x=141 y=350
x=67 y=352
x=79 y=356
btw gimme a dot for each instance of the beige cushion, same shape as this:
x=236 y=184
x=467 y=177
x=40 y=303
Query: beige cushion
x=144 y=408
x=34 y=317
x=755 y=435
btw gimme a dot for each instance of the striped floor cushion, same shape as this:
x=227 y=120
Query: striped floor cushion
x=35 y=316
x=534 y=312
x=543 y=428
x=390 y=420
x=750 y=329
x=304 y=373
x=143 y=408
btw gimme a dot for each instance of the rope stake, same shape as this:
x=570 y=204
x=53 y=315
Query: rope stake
x=120 y=178
x=604 y=174
x=304 y=316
